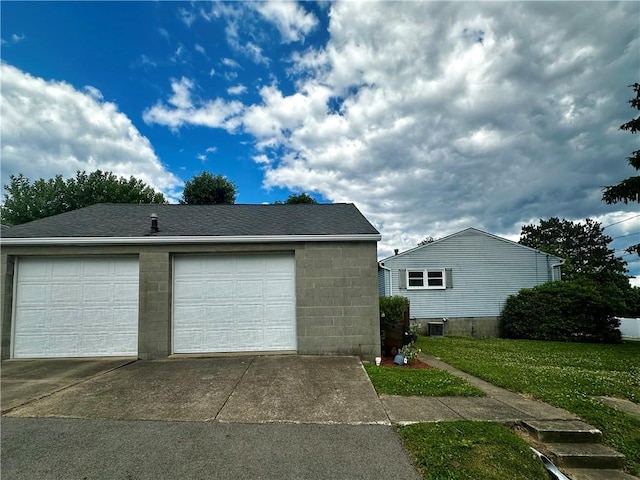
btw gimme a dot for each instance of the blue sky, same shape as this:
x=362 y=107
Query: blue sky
x=430 y=116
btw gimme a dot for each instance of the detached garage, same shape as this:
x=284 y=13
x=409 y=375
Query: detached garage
x=156 y=280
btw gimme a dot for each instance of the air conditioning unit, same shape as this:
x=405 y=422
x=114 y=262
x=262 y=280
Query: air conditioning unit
x=435 y=329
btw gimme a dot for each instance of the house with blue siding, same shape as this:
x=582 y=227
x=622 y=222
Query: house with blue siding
x=458 y=285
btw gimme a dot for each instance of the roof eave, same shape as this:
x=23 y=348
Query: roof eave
x=182 y=240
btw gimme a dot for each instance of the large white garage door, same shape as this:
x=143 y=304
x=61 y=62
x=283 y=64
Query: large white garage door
x=235 y=303
x=76 y=307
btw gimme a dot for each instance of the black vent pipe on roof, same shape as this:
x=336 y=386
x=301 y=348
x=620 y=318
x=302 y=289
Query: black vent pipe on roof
x=154 y=223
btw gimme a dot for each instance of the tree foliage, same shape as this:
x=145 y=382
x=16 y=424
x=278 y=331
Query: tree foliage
x=392 y=311
x=628 y=190
x=207 y=189
x=296 y=199
x=577 y=311
x=584 y=246
x=25 y=201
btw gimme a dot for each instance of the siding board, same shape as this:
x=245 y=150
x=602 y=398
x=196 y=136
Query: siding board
x=485 y=270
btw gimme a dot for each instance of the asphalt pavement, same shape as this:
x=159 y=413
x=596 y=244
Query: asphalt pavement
x=58 y=448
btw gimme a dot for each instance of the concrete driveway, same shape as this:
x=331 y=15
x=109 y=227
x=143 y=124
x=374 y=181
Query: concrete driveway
x=261 y=389
x=24 y=381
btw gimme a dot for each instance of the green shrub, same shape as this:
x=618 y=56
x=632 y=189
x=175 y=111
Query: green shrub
x=392 y=311
x=576 y=311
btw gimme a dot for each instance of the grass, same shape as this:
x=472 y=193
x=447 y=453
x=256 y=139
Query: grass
x=424 y=382
x=567 y=375
x=470 y=450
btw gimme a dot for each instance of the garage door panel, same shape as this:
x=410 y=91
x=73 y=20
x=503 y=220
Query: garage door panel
x=249 y=289
x=277 y=314
x=224 y=338
x=63 y=344
x=281 y=336
x=193 y=290
x=34 y=342
x=35 y=294
x=66 y=270
x=96 y=293
x=126 y=292
x=193 y=338
x=248 y=314
x=62 y=293
x=62 y=320
x=279 y=289
x=35 y=321
x=244 y=303
x=220 y=291
x=83 y=308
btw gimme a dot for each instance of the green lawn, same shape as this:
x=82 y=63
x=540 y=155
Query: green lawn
x=567 y=375
x=470 y=451
x=424 y=382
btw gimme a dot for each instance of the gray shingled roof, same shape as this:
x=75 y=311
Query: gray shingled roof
x=125 y=220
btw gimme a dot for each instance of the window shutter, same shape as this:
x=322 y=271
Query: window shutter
x=448 y=278
x=402 y=278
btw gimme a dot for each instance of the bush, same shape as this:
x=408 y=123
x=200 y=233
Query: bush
x=392 y=311
x=577 y=311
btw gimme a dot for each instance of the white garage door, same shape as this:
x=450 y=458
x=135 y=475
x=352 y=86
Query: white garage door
x=76 y=307
x=236 y=303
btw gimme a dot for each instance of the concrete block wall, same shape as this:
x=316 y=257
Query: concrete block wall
x=6 y=303
x=154 y=305
x=337 y=299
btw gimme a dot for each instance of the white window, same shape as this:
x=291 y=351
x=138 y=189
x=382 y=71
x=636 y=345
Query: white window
x=422 y=279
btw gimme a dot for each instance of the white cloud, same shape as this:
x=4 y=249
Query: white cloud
x=50 y=128
x=430 y=130
x=237 y=90
x=143 y=62
x=211 y=149
x=14 y=38
x=231 y=63
x=182 y=110
x=94 y=92
x=164 y=33
x=292 y=20
x=433 y=117
x=199 y=48
x=187 y=16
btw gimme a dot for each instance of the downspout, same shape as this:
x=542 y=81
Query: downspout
x=390 y=277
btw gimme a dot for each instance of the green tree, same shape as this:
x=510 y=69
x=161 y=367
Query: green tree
x=584 y=246
x=296 y=199
x=628 y=190
x=207 y=189
x=25 y=201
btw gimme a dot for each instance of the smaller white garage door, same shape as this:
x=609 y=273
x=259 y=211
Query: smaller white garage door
x=76 y=307
x=234 y=303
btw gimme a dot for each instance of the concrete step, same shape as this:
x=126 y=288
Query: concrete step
x=584 y=455
x=562 y=431
x=598 y=474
